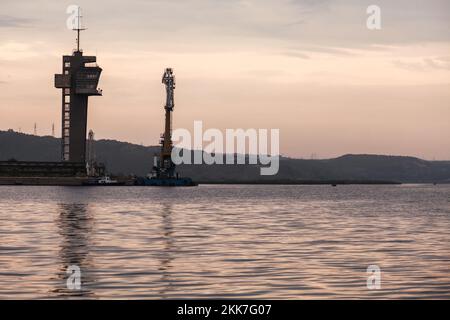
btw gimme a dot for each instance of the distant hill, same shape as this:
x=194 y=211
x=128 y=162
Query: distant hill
x=127 y=158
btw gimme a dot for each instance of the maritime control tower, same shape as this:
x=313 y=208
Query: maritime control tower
x=78 y=80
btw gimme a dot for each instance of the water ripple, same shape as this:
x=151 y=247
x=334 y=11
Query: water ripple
x=257 y=242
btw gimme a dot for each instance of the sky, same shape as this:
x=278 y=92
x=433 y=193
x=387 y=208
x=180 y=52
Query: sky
x=310 y=68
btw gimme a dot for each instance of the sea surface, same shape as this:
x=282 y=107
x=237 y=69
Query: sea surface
x=281 y=242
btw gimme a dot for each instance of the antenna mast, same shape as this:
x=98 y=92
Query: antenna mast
x=79 y=28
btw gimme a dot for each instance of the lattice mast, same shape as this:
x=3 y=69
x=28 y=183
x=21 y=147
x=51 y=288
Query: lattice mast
x=91 y=157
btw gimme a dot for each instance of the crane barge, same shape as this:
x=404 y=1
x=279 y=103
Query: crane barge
x=163 y=173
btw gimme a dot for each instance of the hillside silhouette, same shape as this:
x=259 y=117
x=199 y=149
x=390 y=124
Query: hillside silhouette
x=122 y=158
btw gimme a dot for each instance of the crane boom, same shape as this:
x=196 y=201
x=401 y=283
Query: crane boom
x=166 y=168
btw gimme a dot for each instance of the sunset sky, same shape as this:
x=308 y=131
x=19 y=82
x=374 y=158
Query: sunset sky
x=308 y=67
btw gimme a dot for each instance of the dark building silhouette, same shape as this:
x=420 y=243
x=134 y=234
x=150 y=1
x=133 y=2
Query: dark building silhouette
x=78 y=81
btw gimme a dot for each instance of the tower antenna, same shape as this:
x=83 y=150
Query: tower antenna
x=78 y=28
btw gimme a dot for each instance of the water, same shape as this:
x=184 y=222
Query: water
x=281 y=242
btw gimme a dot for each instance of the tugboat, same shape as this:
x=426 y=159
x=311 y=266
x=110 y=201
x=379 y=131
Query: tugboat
x=163 y=173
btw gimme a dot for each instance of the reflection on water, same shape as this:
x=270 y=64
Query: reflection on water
x=75 y=225
x=167 y=252
x=225 y=241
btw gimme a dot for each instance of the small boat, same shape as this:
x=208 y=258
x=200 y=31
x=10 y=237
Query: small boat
x=103 y=181
x=107 y=180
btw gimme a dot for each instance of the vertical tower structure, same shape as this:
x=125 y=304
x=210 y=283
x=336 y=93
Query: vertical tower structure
x=163 y=173
x=90 y=158
x=79 y=80
x=166 y=168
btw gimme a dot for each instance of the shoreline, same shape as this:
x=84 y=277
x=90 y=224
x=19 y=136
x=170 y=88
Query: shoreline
x=131 y=182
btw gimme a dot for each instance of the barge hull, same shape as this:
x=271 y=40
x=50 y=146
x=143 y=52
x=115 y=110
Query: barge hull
x=42 y=181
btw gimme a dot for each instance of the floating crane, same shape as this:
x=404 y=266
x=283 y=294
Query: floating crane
x=165 y=168
x=163 y=173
